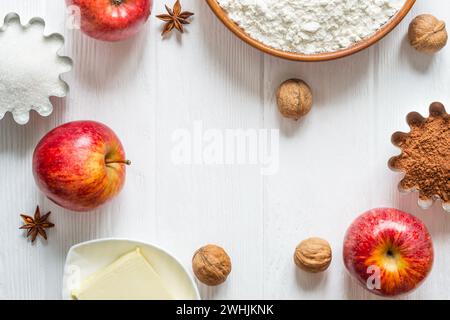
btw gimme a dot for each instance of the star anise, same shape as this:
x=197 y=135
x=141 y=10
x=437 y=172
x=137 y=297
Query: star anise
x=37 y=225
x=175 y=18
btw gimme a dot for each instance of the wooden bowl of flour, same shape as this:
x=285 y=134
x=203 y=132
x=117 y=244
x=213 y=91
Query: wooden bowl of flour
x=361 y=45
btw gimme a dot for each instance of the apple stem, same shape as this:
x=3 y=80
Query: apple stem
x=117 y=2
x=127 y=162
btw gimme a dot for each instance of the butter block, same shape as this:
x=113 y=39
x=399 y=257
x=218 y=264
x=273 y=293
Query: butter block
x=131 y=277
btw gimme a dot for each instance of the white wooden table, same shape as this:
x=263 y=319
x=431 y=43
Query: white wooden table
x=332 y=164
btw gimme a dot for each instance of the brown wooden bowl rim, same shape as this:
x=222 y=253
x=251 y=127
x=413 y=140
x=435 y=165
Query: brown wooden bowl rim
x=377 y=36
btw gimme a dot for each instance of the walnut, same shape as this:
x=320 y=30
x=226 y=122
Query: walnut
x=427 y=34
x=211 y=265
x=294 y=99
x=313 y=255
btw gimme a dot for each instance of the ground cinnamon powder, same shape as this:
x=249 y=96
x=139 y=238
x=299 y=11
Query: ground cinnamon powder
x=426 y=158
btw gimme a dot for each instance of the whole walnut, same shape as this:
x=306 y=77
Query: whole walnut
x=211 y=265
x=294 y=99
x=427 y=34
x=313 y=255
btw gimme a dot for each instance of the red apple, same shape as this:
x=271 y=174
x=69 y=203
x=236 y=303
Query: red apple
x=80 y=165
x=112 y=20
x=389 y=251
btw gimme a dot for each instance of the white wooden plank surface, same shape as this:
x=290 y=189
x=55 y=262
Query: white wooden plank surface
x=332 y=164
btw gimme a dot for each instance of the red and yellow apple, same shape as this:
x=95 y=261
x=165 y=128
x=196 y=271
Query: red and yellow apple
x=80 y=165
x=390 y=252
x=112 y=20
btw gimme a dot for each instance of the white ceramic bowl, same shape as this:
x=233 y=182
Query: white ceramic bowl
x=437 y=109
x=88 y=257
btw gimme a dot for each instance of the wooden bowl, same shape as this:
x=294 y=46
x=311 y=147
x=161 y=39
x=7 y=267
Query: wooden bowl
x=377 y=36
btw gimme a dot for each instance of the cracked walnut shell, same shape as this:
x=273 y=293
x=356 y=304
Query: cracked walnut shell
x=313 y=255
x=294 y=99
x=427 y=34
x=211 y=265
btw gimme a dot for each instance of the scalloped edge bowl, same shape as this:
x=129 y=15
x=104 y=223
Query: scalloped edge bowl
x=4 y=24
x=436 y=108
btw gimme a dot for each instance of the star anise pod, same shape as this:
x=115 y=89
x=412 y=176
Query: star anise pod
x=37 y=225
x=175 y=18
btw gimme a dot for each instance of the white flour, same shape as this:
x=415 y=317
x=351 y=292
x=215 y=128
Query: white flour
x=311 y=26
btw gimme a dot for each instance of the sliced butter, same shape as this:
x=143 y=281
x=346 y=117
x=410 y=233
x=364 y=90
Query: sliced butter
x=131 y=277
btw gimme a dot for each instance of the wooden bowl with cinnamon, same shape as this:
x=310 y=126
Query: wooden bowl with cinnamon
x=359 y=46
x=425 y=157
